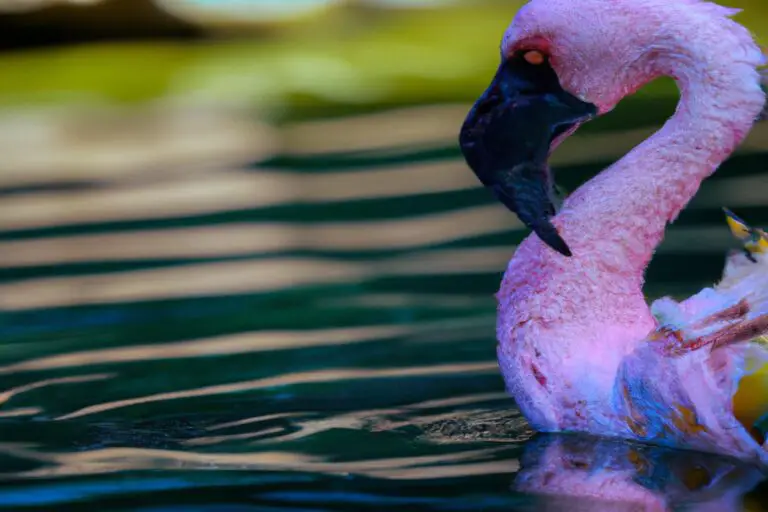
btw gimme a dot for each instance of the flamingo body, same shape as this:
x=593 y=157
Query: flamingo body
x=579 y=347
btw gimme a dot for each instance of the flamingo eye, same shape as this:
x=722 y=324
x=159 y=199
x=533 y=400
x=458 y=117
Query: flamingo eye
x=534 y=57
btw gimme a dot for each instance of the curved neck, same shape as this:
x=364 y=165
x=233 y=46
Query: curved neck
x=620 y=215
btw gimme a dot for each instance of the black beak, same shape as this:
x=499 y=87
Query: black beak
x=507 y=137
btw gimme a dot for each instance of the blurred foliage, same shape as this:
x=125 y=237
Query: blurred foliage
x=343 y=59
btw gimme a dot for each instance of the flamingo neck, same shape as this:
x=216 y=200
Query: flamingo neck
x=620 y=216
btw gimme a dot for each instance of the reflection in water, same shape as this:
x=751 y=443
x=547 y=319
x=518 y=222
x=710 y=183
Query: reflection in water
x=584 y=473
x=102 y=144
x=320 y=376
x=134 y=459
x=262 y=238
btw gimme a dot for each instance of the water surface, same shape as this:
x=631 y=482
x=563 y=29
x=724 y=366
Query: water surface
x=309 y=327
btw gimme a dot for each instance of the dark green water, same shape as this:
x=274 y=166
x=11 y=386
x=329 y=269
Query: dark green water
x=332 y=349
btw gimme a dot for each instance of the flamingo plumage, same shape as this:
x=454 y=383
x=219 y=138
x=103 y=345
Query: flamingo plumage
x=579 y=347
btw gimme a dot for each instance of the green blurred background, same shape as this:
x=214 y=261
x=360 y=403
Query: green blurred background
x=266 y=55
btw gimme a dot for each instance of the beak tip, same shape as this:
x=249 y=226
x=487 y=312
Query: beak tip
x=549 y=235
x=560 y=246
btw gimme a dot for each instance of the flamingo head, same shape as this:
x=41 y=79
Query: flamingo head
x=564 y=62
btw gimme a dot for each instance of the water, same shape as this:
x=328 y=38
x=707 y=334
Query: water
x=309 y=329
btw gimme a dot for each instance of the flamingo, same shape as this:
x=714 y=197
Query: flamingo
x=579 y=347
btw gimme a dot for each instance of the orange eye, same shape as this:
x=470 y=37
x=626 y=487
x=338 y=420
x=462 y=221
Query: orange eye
x=534 y=57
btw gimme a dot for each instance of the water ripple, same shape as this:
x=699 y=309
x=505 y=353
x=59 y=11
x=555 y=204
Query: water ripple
x=313 y=330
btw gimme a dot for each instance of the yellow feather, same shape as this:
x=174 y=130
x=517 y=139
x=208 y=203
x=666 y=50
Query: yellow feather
x=762 y=241
x=755 y=240
x=751 y=399
x=739 y=229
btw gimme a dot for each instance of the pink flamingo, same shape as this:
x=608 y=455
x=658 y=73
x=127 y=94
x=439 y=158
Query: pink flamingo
x=579 y=347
